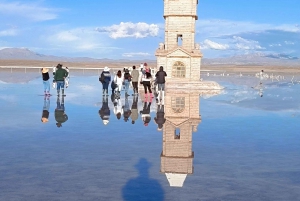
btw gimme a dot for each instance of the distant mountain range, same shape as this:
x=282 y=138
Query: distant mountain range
x=255 y=59
x=249 y=59
x=26 y=54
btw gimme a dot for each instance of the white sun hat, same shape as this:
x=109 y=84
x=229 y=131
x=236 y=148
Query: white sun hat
x=106 y=68
x=105 y=122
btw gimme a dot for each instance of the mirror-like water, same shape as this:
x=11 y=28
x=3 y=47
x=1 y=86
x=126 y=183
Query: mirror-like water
x=242 y=144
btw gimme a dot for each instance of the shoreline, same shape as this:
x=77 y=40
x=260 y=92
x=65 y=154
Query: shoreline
x=18 y=65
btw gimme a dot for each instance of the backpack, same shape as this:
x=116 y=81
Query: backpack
x=102 y=78
x=127 y=76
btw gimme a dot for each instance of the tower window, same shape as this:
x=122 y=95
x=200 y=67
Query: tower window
x=177 y=134
x=178 y=70
x=178 y=104
x=179 y=39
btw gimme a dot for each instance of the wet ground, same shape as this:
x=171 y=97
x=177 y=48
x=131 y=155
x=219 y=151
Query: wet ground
x=245 y=144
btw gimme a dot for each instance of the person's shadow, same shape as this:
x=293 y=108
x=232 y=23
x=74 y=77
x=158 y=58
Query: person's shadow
x=143 y=187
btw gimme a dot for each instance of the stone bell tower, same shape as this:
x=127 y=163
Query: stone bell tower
x=182 y=119
x=179 y=55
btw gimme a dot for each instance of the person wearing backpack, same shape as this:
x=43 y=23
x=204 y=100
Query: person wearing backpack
x=105 y=78
x=127 y=80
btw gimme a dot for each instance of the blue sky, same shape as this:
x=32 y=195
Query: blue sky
x=130 y=29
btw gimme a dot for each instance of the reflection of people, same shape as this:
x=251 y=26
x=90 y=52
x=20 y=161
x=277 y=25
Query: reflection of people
x=143 y=187
x=135 y=79
x=46 y=83
x=160 y=80
x=160 y=117
x=118 y=109
x=105 y=78
x=145 y=113
x=104 y=112
x=60 y=115
x=59 y=78
x=134 y=110
x=126 y=110
x=45 y=113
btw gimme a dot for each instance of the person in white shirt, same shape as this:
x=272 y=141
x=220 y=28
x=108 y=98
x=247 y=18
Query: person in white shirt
x=118 y=79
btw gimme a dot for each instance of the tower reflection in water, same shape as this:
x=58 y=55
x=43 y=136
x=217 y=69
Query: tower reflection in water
x=182 y=113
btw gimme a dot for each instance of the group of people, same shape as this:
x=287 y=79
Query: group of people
x=134 y=78
x=60 y=79
x=119 y=82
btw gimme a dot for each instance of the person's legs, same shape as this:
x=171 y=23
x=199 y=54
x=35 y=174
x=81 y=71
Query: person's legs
x=145 y=87
x=159 y=88
x=149 y=89
x=45 y=87
x=126 y=83
x=48 y=87
x=106 y=87
x=163 y=94
x=135 y=87
x=120 y=87
x=63 y=88
x=58 y=87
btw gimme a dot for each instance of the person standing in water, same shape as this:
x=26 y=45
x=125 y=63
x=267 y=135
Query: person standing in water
x=59 y=78
x=118 y=79
x=105 y=78
x=46 y=83
x=135 y=79
x=160 y=81
x=127 y=80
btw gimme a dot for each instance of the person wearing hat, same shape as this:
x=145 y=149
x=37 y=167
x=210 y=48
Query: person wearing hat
x=59 y=78
x=46 y=83
x=105 y=79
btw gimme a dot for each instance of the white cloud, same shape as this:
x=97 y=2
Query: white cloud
x=76 y=40
x=129 y=29
x=244 y=44
x=275 y=45
x=136 y=54
x=289 y=43
x=66 y=36
x=218 y=28
x=8 y=32
x=31 y=11
x=208 y=44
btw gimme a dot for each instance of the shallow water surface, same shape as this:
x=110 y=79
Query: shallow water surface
x=242 y=144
